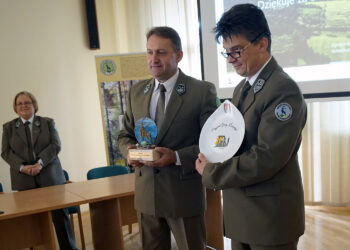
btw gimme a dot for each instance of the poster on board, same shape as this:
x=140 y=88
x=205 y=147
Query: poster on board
x=115 y=75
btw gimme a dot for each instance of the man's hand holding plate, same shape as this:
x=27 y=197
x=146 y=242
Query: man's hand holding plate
x=200 y=163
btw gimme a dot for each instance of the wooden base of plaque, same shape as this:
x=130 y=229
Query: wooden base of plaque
x=143 y=154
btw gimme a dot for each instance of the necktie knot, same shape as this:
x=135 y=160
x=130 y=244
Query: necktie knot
x=27 y=123
x=246 y=87
x=162 y=89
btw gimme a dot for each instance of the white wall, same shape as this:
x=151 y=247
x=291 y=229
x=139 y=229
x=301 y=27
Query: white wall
x=44 y=50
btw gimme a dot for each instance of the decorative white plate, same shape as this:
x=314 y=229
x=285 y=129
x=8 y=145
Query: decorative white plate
x=222 y=134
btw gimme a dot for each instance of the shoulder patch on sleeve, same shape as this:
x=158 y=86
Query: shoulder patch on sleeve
x=283 y=111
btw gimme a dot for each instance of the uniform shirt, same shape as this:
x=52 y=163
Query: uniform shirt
x=30 y=124
x=253 y=78
x=31 y=136
x=169 y=86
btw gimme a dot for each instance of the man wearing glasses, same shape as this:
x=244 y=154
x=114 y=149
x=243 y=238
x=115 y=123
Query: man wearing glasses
x=262 y=188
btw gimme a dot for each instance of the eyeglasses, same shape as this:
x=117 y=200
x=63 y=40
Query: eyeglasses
x=235 y=54
x=238 y=52
x=24 y=104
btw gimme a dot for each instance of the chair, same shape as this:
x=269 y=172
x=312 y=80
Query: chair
x=101 y=172
x=75 y=210
x=107 y=171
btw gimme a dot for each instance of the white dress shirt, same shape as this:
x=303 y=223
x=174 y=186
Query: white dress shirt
x=31 y=119
x=253 y=78
x=169 y=86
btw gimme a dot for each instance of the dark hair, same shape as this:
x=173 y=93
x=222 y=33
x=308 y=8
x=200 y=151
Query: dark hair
x=166 y=32
x=32 y=98
x=244 y=19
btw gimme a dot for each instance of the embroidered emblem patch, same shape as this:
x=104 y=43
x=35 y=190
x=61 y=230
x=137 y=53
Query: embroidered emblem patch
x=180 y=89
x=147 y=88
x=283 y=111
x=259 y=85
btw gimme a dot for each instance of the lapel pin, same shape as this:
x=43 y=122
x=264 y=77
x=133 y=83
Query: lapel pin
x=37 y=123
x=180 y=89
x=259 y=85
x=17 y=124
x=147 y=88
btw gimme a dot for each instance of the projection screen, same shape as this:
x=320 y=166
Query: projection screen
x=310 y=40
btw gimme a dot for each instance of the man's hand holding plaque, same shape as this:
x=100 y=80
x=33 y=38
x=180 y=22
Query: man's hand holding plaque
x=146 y=134
x=167 y=157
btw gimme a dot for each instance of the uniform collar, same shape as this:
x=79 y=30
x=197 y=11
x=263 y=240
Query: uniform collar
x=29 y=120
x=168 y=84
x=254 y=77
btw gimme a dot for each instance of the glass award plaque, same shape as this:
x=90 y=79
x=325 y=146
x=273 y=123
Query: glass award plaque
x=146 y=134
x=222 y=134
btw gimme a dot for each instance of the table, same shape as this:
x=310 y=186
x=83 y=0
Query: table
x=111 y=203
x=27 y=219
x=111 y=200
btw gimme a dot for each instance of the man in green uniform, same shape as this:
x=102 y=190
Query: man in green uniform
x=169 y=195
x=262 y=189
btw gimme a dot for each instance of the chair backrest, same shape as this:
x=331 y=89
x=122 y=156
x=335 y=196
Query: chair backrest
x=1 y=190
x=107 y=171
x=66 y=175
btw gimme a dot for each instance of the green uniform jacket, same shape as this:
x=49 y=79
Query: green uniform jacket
x=46 y=144
x=171 y=191
x=262 y=187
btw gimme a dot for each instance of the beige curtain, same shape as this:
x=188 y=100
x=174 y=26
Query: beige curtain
x=325 y=153
x=133 y=18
